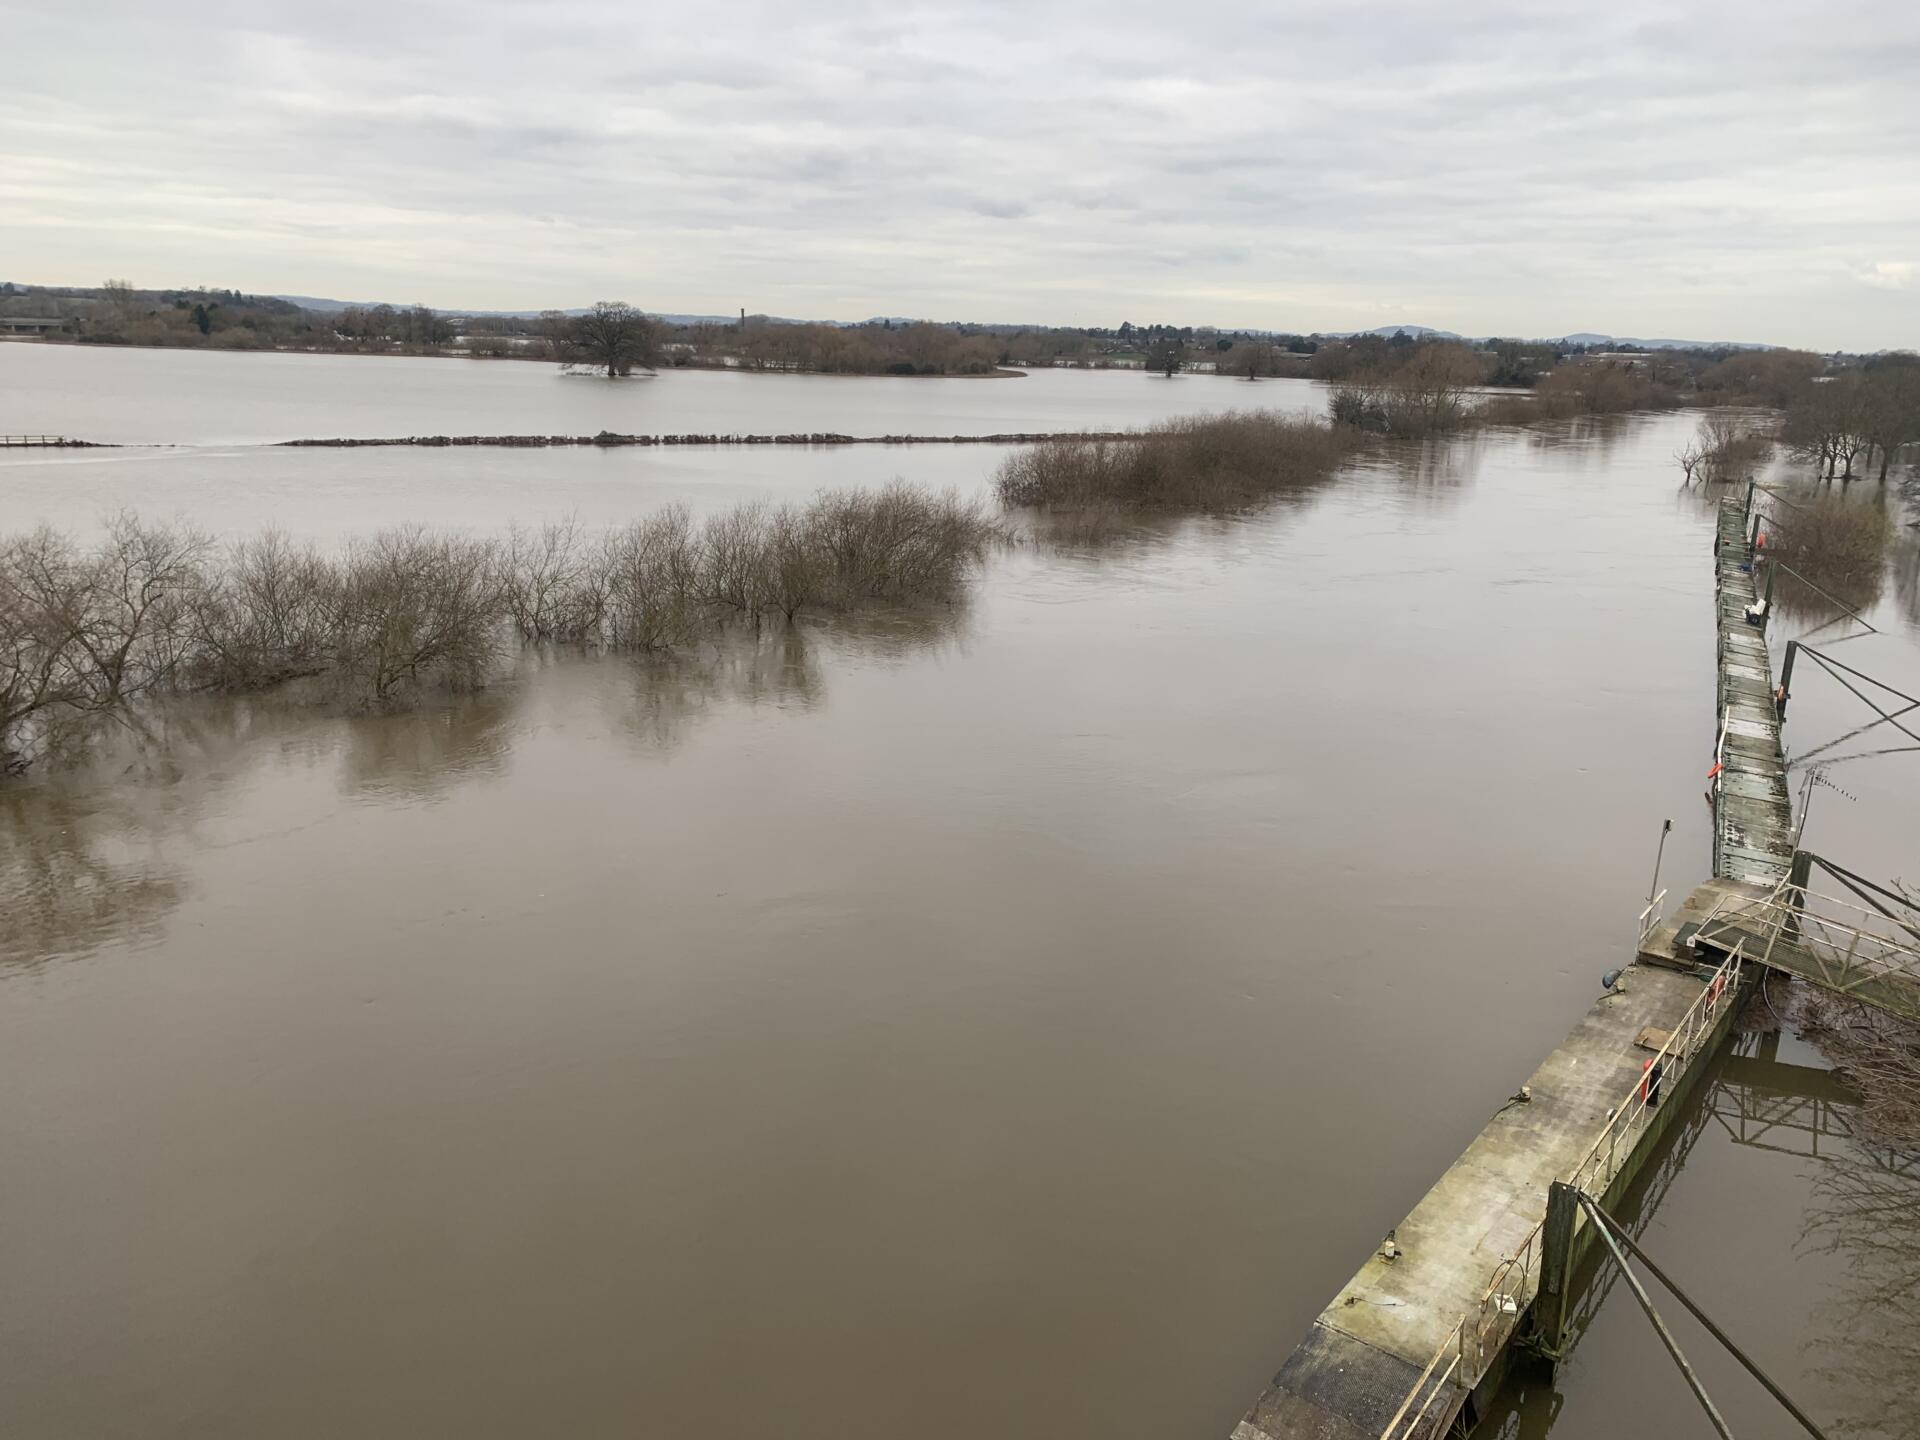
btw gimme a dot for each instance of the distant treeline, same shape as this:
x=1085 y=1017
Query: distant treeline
x=118 y=313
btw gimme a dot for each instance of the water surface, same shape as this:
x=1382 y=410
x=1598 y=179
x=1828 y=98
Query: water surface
x=1016 y=1019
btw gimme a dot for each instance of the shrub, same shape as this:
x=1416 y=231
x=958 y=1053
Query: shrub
x=414 y=609
x=1217 y=463
x=1838 y=544
x=150 y=608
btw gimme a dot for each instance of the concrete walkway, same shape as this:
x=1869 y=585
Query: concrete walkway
x=1363 y=1355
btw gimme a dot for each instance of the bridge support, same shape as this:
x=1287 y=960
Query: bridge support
x=1554 y=1303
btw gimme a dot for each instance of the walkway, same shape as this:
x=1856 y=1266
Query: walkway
x=1752 y=811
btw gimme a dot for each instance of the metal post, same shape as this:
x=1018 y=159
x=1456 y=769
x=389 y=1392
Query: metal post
x=1658 y=856
x=1659 y=1325
x=1555 y=1299
x=1608 y=1223
x=1748 y=508
x=1786 y=669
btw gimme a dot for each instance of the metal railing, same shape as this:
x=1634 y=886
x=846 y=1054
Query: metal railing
x=1650 y=919
x=1477 y=1337
x=1835 y=943
x=7 y=440
x=1628 y=1120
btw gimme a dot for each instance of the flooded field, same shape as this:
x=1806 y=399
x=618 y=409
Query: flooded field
x=1012 y=1019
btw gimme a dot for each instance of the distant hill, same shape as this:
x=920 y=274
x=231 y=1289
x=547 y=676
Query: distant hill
x=1587 y=337
x=1387 y=332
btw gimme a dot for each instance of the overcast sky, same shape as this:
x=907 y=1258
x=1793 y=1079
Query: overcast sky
x=1741 y=171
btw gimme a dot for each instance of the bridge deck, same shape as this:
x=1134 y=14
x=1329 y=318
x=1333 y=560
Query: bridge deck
x=1800 y=934
x=1752 y=811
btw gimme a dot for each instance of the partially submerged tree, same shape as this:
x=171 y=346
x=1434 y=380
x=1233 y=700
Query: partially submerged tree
x=1167 y=356
x=1826 y=424
x=617 y=336
x=1890 y=406
x=1722 y=449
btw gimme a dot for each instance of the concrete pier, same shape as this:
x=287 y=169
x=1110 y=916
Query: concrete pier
x=1422 y=1331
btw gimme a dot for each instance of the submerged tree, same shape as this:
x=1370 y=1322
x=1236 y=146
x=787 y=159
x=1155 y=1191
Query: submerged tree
x=618 y=336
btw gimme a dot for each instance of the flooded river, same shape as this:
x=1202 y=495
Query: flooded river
x=1016 y=1020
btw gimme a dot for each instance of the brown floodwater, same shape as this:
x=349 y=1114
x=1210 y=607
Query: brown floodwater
x=1013 y=1020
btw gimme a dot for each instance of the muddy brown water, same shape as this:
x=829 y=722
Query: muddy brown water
x=1015 y=1020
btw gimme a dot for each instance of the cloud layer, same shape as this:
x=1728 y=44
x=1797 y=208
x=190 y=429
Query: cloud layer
x=1739 y=171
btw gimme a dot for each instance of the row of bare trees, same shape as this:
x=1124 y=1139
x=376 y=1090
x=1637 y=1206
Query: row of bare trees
x=1861 y=415
x=882 y=349
x=87 y=632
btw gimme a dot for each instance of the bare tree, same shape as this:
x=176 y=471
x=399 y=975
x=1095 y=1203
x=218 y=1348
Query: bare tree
x=415 y=607
x=652 y=569
x=1432 y=387
x=618 y=336
x=1890 y=406
x=1250 y=358
x=140 y=602
x=735 y=573
x=550 y=584
x=1167 y=356
x=1692 y=458
x=42 y=609
x=1722 y=450
x=266 y=618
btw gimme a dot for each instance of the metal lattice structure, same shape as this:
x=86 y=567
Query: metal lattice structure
x=1848 y=949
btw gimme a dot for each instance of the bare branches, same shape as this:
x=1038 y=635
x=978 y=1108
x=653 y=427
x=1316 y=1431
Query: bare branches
x=1722 y=450
x=615 y=335
x=153 y=608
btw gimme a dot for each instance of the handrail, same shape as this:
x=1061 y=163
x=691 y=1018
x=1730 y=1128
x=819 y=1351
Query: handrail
x=1393 y=1430
x=1696 y=1023
x=1651 y=915
x=1508 y=1296
x=1850 y=943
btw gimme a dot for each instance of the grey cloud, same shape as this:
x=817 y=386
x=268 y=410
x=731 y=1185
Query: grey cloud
x=1747 y=169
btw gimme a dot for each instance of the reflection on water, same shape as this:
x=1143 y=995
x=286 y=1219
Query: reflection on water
x=1818 y=604
x=667 y=695
x=1906 y=576
x=1830 y=1307
x=1865 y=1339
x=76 y=871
